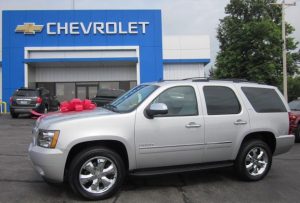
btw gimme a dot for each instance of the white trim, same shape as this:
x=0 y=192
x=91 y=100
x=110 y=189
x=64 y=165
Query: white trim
x=81 y=48
x=138 y=75
x=25 y=75
x=25 y=69
x=75 y=48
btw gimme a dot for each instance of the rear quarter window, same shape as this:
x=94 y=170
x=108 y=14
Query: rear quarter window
x=264 y=100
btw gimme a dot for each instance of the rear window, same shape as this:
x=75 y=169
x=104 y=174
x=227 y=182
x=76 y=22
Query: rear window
x=26 y=93
x=264 y=100
x=221 y=100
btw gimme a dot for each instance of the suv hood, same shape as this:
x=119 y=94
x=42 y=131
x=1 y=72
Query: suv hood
x=50 y=118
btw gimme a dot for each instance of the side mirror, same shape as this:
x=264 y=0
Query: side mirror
x=156 y=109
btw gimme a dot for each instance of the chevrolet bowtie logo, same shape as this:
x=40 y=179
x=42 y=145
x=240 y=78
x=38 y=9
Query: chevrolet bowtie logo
x=29 y=28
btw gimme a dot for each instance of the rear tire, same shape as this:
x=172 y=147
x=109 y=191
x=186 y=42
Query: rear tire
x=96 y=173
x=254 y=160
x=297 y=134
x=13 y=114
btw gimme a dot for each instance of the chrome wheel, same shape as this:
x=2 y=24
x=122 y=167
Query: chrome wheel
x=97 y=175
x=256 y=161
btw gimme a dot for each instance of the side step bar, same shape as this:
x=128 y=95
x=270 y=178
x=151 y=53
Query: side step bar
x=179 y=169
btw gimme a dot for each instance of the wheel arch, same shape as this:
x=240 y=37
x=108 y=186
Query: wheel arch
x=266 y=136
x=115 y=145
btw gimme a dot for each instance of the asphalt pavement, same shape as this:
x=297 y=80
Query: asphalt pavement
x=20 y=183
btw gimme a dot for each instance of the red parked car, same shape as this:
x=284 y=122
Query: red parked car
x=295 y=118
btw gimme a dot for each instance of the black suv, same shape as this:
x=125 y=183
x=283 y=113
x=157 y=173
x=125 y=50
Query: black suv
x=106 y=96
x=26 y=99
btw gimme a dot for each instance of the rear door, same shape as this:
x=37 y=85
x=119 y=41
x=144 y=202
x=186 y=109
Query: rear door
x=225 y=119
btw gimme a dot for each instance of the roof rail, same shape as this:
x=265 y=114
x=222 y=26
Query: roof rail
x=237 y=80
x=197 y=78
x=207 y=79
x=170 y=80
x=194 y=79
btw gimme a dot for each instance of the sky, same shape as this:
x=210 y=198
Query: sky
x=180 y=17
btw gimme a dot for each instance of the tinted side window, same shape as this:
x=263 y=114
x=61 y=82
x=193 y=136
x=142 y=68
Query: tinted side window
x=264 y=100
x=221 y=100
x=181 y=101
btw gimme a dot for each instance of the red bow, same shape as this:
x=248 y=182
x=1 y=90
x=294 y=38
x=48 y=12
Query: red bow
x=77 y=105
x=73 y=105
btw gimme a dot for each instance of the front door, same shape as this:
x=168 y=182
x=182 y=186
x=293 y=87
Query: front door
x=86 y=91
x=176 y=138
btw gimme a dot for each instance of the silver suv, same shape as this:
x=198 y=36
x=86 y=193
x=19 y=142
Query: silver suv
x=164 y=127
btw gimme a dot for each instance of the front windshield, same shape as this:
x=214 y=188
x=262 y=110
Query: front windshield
x=131 y=99
x=295 y=105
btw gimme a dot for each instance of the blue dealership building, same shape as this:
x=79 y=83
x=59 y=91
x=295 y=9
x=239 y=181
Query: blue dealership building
x=73 y=53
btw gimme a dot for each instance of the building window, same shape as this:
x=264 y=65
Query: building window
x=109 y=85
x=65 y=91
x=48 y=86
x=133 y=84
x=124 y=85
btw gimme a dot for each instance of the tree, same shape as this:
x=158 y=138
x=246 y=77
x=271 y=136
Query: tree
x=251 y=44
x=294 y=87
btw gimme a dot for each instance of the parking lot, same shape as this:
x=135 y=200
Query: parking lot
x=20 y=183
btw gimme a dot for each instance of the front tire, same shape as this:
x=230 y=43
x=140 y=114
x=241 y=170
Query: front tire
x=96 y=173
x=254 y=160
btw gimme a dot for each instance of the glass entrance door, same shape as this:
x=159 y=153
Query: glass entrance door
x=92 y=91
x=86 y=91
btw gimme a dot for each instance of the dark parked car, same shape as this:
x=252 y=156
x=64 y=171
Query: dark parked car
x=106 y=96
x=26 y=99
x=295 y=118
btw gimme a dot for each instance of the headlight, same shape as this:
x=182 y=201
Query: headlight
x=47 y=138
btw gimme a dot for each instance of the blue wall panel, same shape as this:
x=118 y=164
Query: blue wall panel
x=13 y=44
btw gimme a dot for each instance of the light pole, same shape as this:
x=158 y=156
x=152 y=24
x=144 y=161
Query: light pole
x=283 y=6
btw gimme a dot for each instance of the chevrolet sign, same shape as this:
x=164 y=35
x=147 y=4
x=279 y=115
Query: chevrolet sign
x=76 y=28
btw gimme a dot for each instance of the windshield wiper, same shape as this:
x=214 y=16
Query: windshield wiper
x=111 y=107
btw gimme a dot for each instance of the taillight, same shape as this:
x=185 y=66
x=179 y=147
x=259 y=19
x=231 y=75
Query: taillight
x=10 y=100
x=39 y=100
x=292 y=119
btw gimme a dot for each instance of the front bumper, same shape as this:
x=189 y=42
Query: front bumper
x=49 y=163
x=284 y=143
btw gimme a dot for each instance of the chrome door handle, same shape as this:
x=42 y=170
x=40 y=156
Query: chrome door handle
x=193 y=125
x=240 y=122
